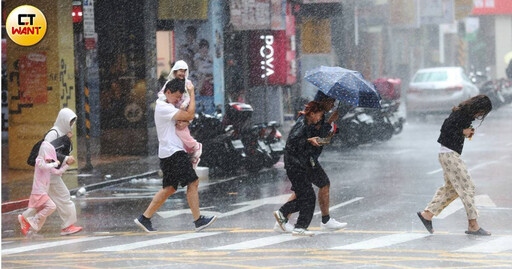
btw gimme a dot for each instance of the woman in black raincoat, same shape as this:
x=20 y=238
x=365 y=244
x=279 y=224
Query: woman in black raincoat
x=299 y=162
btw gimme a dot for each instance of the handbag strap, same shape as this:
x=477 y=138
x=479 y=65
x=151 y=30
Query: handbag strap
x=49 y=132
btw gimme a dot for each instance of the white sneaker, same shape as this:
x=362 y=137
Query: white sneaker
x=302 y=232
x=287 y=226
x=281 y=220
x=332 y=225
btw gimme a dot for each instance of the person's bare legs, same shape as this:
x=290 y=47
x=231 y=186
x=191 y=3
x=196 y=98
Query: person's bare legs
x=193 y=198
x=427 y=215
x=158 y=200
x=473 y=225
x=323 y=200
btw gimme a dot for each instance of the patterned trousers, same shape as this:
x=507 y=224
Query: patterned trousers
x=458 y=183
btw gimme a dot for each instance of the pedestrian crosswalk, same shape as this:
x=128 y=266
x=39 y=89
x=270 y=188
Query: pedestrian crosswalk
x=383 y=241
x=237 y=240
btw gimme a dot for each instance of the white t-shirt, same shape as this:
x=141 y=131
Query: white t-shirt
x=168 y=141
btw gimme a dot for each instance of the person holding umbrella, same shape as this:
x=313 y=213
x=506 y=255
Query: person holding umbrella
x=300 y=164
x=321 y=180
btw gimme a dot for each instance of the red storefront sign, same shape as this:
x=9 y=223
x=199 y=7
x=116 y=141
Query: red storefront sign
x=492 y=7
x=33 y=78
x=267 y=57
x=272 y=55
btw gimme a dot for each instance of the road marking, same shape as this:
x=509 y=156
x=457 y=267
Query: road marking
x=480 y=200
x=342 y=204
x=400 y=152
x=493 y=246
x=473 y=167
x=246 y=206
x=52 y=244
x=153 y=242
x=383 y=241
x=261 y=242
x=434 y=172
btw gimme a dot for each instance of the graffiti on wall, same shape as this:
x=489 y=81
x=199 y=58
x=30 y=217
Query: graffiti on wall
x=67 y=89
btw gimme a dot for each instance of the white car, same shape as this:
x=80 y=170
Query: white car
x=439 y=89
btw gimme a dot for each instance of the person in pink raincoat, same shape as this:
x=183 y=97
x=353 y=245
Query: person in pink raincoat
x=46 y=164
x=192 y=147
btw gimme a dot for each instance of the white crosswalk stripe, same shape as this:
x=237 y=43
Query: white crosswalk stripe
x=383 y=241
x=493 y=246
x=153 y=242
x=51 y=244
x=260 y=242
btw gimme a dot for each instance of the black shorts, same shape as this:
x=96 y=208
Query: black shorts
x=319 y=178
x=177 y=170
x=303 y=180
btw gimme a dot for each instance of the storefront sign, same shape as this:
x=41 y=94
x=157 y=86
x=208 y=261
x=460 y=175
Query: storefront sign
x=258 y=14
x=436 y=11
x=272 y=54
x=33 y=78
x=492 y=7
x=267 y=58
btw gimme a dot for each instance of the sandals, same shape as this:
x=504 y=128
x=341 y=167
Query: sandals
x=480 y=232
x=427 y=223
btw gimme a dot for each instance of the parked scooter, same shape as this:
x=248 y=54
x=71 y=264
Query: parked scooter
x=221 y=148
x=365 y=125
x=488 y=86
x=258 y=153
x=271 y=138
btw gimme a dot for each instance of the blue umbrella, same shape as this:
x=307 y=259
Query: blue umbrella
x=346 y=85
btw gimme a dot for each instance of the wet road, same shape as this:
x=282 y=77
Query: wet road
x=376 y=188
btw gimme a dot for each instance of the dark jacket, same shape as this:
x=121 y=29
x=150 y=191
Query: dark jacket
x=451 y=131
x=63 y=148
x=321 y=129
x=298 y=151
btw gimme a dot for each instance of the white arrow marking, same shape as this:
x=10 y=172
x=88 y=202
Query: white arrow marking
x=177 y=212
x=274 y=200
x=248 y=205
x=342 y=204
x=480 y=200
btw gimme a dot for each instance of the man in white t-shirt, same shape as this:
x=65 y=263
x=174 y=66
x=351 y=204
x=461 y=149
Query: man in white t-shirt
x=174 y=161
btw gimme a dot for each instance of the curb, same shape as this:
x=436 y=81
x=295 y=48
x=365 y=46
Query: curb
x=23 y=203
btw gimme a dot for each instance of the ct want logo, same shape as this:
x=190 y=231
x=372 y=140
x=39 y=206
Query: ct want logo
x=26 y=25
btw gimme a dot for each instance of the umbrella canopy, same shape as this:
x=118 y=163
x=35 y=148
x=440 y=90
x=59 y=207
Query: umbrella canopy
x=346 y=85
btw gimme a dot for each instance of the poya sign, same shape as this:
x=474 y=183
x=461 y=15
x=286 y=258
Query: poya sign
x=267 y=58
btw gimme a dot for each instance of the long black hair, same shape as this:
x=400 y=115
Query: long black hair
x=475 y=105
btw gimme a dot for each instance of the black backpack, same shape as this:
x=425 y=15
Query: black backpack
x=35 y=150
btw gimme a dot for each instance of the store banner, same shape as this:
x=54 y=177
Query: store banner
x=258 y=14
x=33 y=78
x=404 y=13
x=267 y=57
x=492 y=7
x=437 y=11
x=183 y=10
